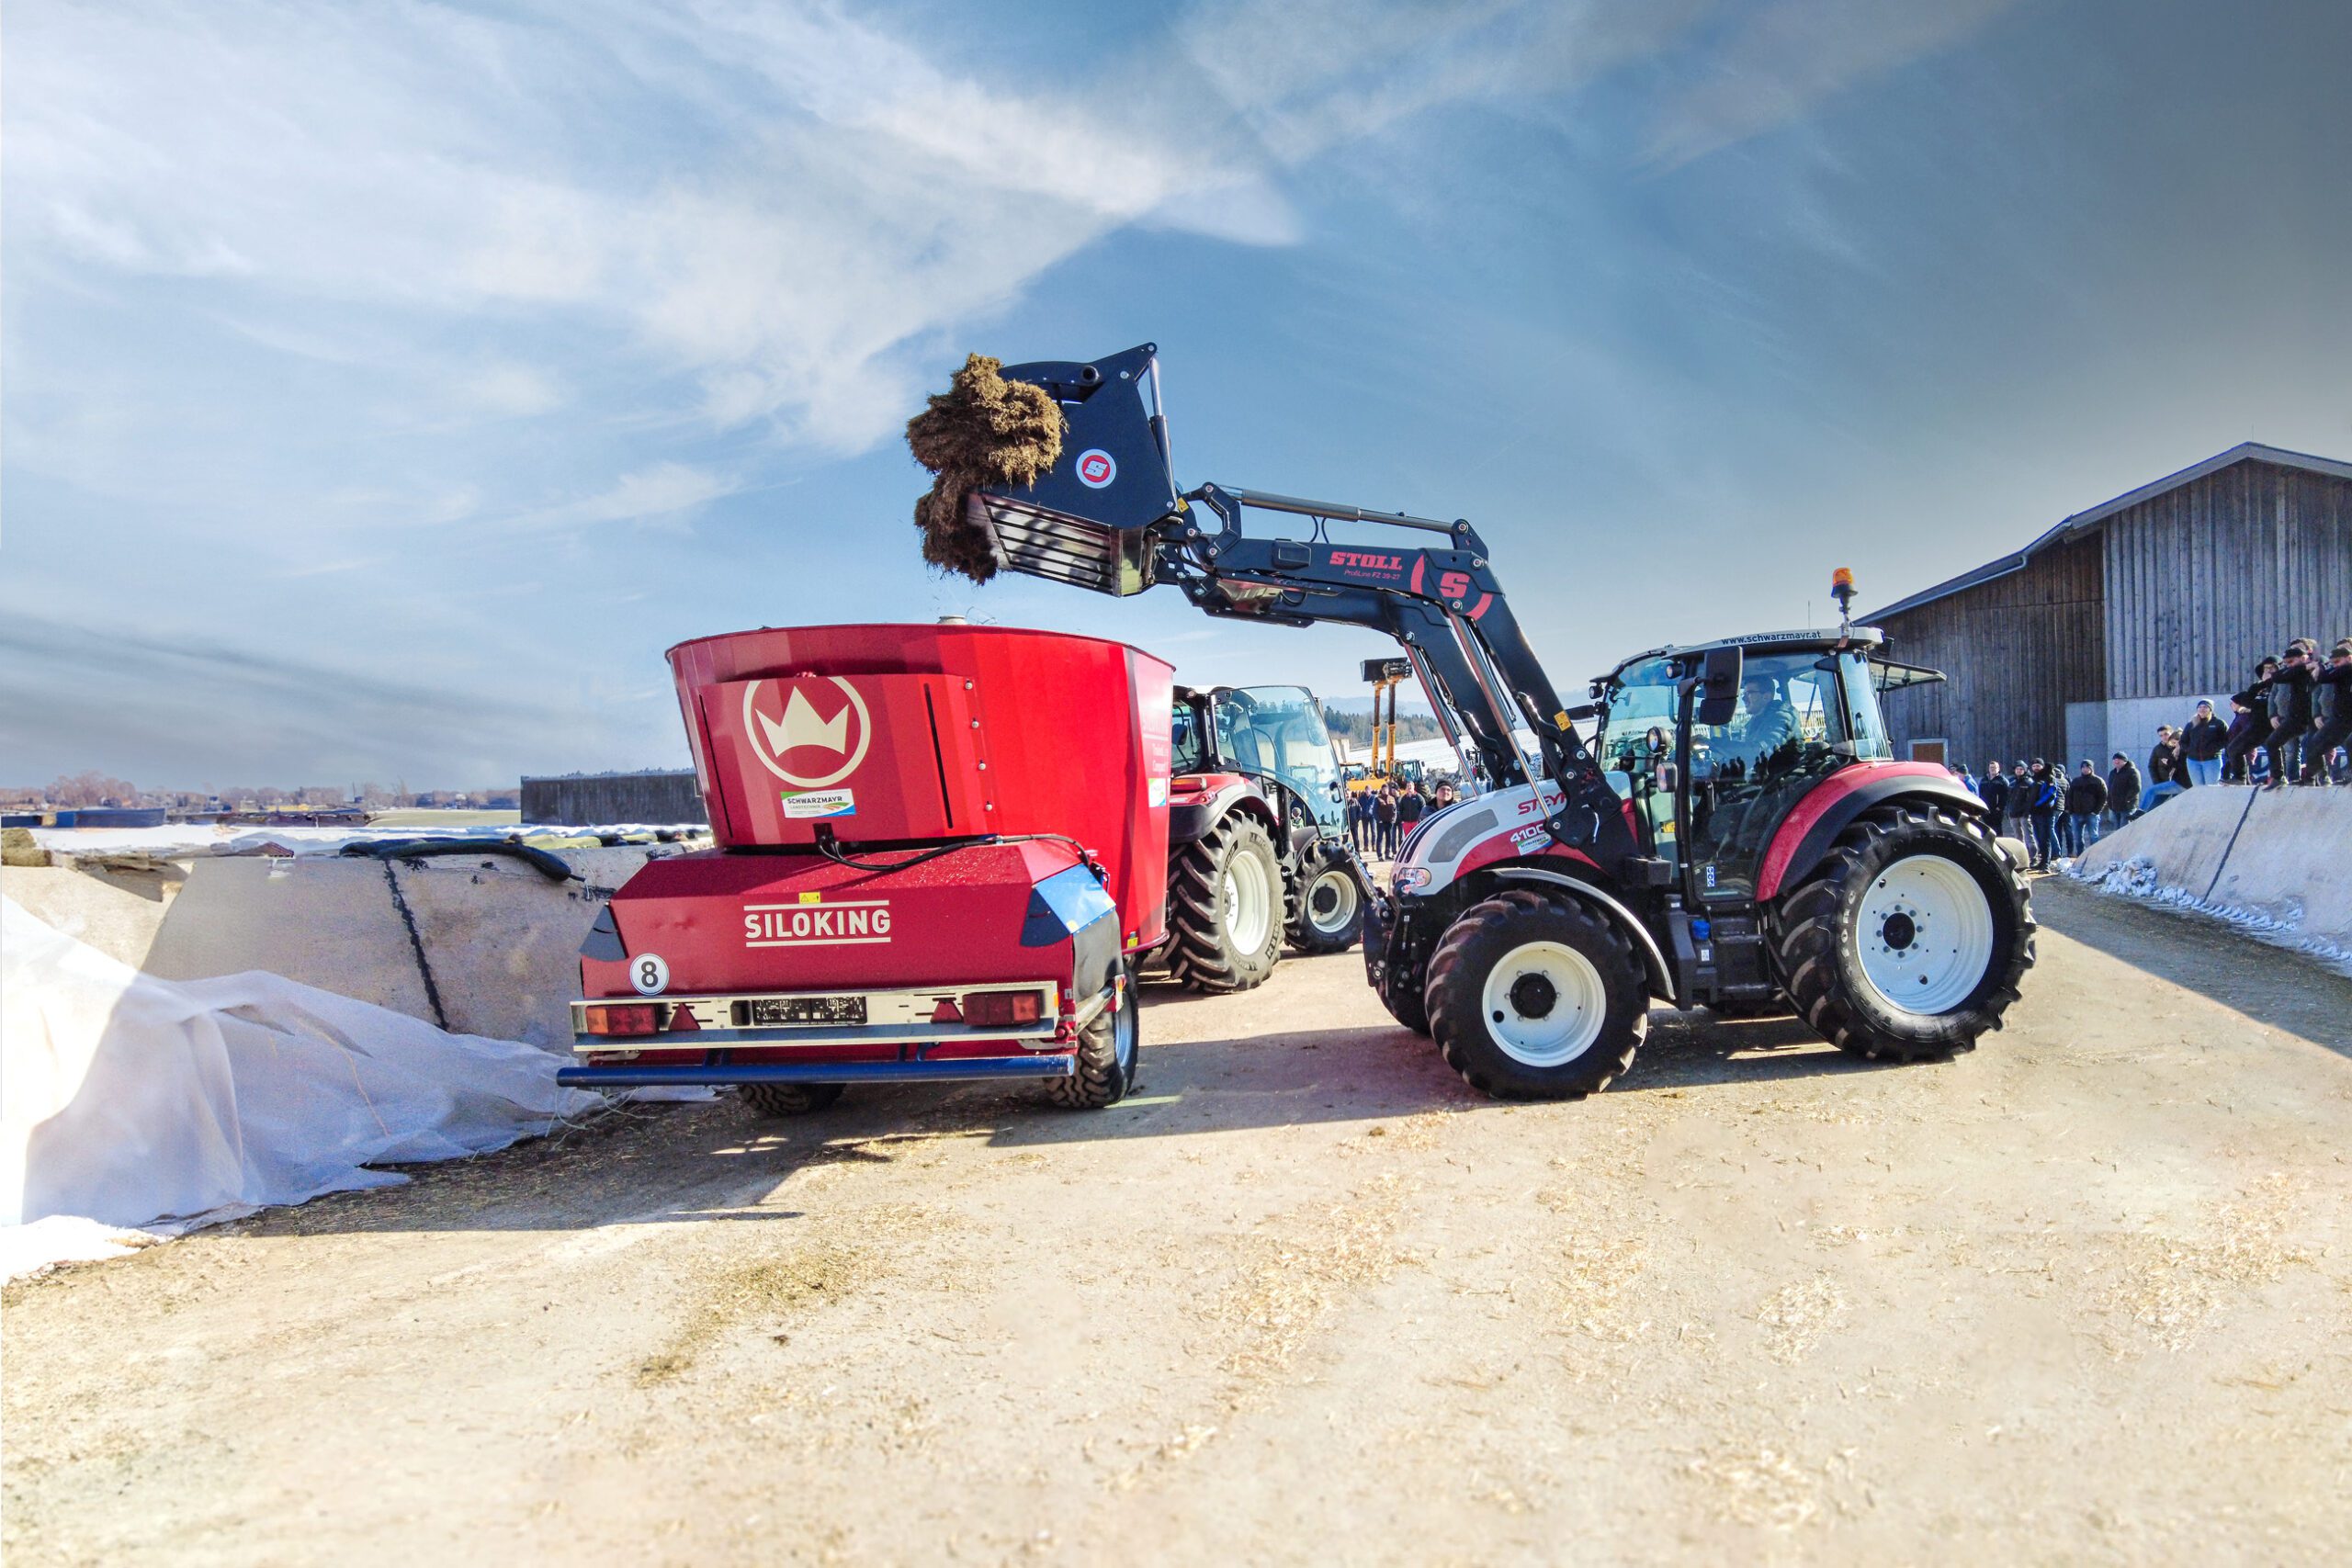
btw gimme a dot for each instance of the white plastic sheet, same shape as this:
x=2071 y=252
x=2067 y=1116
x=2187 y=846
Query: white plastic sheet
x=128 y=1100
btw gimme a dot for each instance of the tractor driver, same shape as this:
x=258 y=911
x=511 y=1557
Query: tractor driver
x=1772 y=721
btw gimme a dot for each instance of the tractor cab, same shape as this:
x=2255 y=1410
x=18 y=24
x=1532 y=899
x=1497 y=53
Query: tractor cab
x=1714 y=744
x=1272 y=733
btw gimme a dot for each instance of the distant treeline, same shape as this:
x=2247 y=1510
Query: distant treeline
x=1357 y=727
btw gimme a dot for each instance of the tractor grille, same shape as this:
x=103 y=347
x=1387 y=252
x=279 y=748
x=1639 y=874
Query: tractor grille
x=1062 y=548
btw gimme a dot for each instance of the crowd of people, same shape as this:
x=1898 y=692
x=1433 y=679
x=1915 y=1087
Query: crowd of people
x=2289 y=726
x=1382 y=818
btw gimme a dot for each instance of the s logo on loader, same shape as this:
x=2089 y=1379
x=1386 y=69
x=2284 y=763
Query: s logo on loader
x=1095 y=469
x=800 y=729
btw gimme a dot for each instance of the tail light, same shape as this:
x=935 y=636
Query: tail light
x=1003 y=1009
x=629 y=1017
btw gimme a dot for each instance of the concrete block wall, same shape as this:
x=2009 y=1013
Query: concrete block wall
x=480 y=944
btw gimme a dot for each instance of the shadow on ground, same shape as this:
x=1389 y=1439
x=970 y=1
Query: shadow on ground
x=715 y=1161
x=2289 y=991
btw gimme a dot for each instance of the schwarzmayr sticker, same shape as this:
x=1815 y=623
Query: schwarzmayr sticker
x=820 y=803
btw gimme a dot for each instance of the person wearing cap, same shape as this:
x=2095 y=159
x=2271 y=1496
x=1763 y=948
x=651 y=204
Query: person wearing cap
x=2250 y=721
x=2021 y=799
x=2122 y=791
x=2291 y=703
x=2086 y=798
x=2201 y=740
x=2332 y=696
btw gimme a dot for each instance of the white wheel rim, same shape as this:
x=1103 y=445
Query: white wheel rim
x=1249 y=903
x=1544 y=1004
x=1925 y=932
x=1331 y=902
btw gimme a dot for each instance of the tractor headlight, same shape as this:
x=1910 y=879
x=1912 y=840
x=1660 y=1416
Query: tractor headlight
x=1411 y=878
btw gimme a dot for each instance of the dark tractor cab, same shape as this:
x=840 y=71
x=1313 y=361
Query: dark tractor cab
x=1742 y=762
x=1716 y=744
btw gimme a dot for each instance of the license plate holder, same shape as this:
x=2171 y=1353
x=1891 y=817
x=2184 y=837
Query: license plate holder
x=781 y=1012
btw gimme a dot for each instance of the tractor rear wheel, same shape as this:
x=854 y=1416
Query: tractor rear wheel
x=1327 y=913
x=1909 y=939
x=1536 y=998
x=1108 y=1054
x=788 y=1098
x=1224 y=909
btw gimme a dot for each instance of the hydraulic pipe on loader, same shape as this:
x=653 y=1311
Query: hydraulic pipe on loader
x=1111 y=519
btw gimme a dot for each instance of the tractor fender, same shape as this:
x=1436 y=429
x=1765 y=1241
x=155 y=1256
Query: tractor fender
x=1661 y=976
x=1198 y=803
x=1807 y=833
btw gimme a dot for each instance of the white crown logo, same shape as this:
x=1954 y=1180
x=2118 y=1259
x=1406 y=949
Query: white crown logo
x=802 y=727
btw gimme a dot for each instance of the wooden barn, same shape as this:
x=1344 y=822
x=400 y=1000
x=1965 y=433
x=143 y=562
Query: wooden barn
x=2120 y=617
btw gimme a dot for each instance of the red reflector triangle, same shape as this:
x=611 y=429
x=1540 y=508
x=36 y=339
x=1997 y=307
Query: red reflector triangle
x=945 y=1014
x=681 y=1020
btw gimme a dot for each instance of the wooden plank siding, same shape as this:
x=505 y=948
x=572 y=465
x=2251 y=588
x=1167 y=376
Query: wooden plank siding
x=2176 y=596
x=2206 y=579
x=2015 y=651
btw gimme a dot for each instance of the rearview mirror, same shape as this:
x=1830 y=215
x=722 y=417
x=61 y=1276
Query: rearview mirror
x=1719 y=686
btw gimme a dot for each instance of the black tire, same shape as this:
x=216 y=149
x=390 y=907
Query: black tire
x=1499 y=932
x=1817 y=946
x=1326 y=910
x=788 y=1098
x=1406 y=1004
x=1201 y=954
x=1108 y=1055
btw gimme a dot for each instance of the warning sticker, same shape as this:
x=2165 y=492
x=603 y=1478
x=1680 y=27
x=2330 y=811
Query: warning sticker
x=1095 y=469
x=820 y=803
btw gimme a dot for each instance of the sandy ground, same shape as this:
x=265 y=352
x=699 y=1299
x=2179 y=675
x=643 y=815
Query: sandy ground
x=2084 y=1295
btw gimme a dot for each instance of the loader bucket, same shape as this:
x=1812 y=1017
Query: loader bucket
x=1086 y=520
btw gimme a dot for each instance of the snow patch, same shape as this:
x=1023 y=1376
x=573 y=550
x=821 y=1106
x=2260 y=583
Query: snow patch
x=2281 y=925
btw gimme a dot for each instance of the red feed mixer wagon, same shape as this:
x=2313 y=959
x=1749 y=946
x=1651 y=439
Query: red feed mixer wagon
x=910 y=883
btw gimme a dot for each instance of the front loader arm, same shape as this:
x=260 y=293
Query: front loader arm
x=1442 y=603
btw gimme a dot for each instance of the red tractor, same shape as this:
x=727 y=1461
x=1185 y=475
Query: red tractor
x=1257 y=838
x=911 y=883
x=1765 y=850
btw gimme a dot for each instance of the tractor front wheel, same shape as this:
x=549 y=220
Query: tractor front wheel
x=1224 y=909
x=1910 y=939
x=1535 y=998
x=1327 y=915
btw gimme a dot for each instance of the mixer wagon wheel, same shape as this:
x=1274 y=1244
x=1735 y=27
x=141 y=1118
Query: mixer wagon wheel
x=1226 y=909
x=788 y=1098
x=1108 y=1052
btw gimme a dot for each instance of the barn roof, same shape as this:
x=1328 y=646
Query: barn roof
x=2082 y=523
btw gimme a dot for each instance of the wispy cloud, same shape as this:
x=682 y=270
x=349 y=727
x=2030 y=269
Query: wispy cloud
x=665 y=495
x=1786 y=56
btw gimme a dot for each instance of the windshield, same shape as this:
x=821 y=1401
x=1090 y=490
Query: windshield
x=1278 y=731
x=1637 y=717
x=1863 y=724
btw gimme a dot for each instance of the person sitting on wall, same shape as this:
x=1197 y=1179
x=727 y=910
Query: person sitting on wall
x=2332 y=702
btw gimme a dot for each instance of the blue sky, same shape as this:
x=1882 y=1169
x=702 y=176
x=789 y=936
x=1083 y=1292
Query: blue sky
x=386 y=387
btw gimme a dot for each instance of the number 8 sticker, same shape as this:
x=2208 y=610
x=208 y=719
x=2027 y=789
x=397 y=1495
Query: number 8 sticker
x=648 y=974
